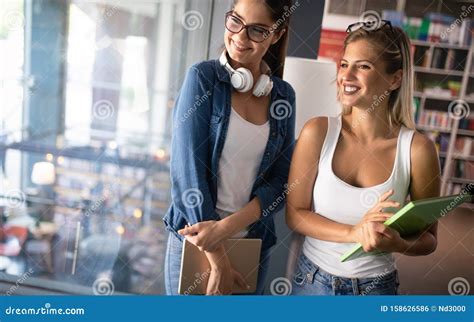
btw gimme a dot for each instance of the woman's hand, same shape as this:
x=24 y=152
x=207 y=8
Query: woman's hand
x=372 y=234
x=379 y=237
x=221 y=281
x=222 y=276
x=206 y=235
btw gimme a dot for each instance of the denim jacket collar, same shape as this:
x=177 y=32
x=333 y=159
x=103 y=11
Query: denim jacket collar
x=223 y=76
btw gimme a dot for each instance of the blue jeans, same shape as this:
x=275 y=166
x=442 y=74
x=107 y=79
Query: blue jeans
x=173 y=267
x=309 y=279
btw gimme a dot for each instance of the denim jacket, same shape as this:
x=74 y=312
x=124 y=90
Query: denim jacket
x=200 y=121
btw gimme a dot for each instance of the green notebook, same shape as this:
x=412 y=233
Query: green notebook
x=413 y=218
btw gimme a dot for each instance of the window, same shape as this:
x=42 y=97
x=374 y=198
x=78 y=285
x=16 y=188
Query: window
x=11 y=85
x=98 y=221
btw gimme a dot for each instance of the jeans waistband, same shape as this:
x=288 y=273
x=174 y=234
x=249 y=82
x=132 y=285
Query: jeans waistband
x=313 y=269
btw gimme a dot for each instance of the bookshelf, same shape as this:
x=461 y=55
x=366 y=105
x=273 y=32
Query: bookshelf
x=439 y=84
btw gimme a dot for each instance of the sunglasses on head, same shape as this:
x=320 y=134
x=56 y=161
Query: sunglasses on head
x=373 y=26
x=370 y=25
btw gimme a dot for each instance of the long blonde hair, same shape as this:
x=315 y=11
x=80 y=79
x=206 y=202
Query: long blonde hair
x=394 y=48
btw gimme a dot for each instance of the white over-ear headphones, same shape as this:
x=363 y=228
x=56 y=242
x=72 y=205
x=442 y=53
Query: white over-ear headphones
x=242 y=79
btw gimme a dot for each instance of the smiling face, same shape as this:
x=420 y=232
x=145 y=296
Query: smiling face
x=362 y=77
x=240 y=48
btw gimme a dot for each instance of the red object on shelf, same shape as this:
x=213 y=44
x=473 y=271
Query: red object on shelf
x=332 y=44
x=9 y=233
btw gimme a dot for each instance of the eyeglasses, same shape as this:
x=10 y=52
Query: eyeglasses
x=371 y=25
x=255 y=33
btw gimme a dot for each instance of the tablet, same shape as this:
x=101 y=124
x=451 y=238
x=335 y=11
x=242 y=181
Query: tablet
x=244 y=256
x=413 y=218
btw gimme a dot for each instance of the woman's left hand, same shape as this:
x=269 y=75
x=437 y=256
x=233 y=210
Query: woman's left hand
x=206 y=235
x=382 y=238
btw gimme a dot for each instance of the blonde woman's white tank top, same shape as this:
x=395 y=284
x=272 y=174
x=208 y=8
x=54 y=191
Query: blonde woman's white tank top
x=341 y=202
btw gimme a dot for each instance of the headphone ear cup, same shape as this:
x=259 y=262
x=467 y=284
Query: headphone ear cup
x=242 y=80
x=263 y=87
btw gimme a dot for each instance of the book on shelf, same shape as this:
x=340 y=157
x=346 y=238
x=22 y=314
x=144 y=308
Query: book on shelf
x=462 y=171
x=449 y=62
x=441 y=141
x=435 y=119
x=464 y=146
x=440 y=28
x=466 y=124
x=455 y=188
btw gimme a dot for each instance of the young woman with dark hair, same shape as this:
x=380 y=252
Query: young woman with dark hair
x=231 y=152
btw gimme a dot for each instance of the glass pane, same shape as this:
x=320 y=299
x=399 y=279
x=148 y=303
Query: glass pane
x=93 y=212
x=12 y=20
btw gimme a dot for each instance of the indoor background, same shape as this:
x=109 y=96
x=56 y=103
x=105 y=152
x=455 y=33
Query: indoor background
x=86 y=94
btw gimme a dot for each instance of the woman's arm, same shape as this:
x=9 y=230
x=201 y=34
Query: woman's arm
x=191 y=195
x=209 y=235
x=425 y=183
x=304 y=170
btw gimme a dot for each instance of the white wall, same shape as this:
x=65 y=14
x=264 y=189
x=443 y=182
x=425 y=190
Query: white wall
x=315 y=87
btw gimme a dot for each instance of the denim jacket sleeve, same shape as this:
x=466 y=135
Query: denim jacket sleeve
x=190 y=150
x=272 y=193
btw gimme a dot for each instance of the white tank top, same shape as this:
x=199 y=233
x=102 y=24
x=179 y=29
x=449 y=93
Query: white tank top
x=239 y=163
x=341 y=202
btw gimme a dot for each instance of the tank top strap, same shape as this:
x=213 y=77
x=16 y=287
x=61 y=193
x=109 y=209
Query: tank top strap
x=330 y=142
x=403 y=161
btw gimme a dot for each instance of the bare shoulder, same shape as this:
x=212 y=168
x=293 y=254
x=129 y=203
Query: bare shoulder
x=423 y=150
x=425 y=168
x=311 y=139
x=315 y=129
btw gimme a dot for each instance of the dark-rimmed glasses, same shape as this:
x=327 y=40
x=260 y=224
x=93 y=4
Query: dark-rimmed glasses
x=255 y=32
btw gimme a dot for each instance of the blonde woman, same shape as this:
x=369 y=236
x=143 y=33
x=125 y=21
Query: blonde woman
x=356 y=169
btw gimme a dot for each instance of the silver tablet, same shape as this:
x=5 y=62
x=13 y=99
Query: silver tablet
x=244 y=256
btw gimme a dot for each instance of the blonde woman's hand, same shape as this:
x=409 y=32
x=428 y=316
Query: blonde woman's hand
x=371 y=222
